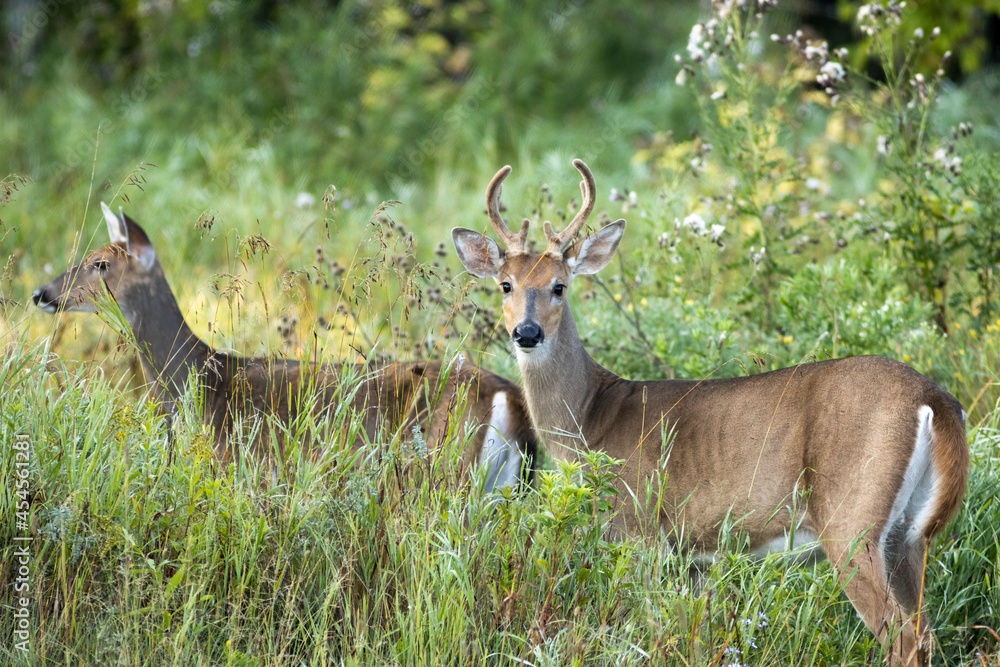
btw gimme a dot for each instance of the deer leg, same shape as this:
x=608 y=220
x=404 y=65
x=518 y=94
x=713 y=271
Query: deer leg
x=905 y=568
x=884 y=587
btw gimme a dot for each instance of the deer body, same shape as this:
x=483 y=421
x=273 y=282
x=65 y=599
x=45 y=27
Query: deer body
x=865 y=454
x=234 y=387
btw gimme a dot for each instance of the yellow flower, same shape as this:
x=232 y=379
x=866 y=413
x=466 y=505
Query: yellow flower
x=687 y=318
x=689 y=302
x=593 y=320
x=643 y=301
x=618 y=297
x=630 y=308
x=972 y=332
x=957 y=325
x=677 y=279
x=906 y=357
x=787 y=339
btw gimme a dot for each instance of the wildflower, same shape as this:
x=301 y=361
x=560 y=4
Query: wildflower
x=786 y=340
x=918 y=33
x=819 y=52
x=756 y=257
x=717 y=231
x=681 y=78
x=665 y=240
x=830 y=74
x=304 y=200
x=695 y=223
x=875 y=17
x=813 y=183
x=615 y=195
x=618 y=297
x=698 y=165
x=935 y=32
x=695 y=41
x=883 y=145
x=718 y=95
x=630 y=308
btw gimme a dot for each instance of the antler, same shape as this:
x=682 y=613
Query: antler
x=589 y=189
x=515 y=242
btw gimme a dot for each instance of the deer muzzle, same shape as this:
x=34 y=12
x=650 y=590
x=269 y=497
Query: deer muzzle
x=44 y=300
x=528 y=334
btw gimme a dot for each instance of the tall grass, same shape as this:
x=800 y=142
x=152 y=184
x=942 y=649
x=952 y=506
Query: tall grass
x=146 y=552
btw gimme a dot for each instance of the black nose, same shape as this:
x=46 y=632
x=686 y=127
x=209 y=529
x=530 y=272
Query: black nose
x=39 y=296
x=528 y=334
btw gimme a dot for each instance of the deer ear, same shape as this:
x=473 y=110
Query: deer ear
x=479 y=254
x=596 y=250
x=139 y=245
x=116 y=228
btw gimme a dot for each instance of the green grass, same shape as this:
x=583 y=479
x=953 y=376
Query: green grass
x=147 y=552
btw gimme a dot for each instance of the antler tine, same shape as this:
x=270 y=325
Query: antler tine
x=514 y=242
x=589 y=190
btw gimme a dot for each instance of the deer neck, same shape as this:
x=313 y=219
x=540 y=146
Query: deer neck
x=168 y=348
x=559 y=388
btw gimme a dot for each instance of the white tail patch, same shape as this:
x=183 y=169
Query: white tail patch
x=500 y=456
x=914 y=504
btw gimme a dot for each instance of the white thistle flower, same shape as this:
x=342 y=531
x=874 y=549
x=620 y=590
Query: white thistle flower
x=883 y=145
x=831 y=73
x=696 y=224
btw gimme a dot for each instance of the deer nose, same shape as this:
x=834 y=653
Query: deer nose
x=528 y=334
x=44 y=301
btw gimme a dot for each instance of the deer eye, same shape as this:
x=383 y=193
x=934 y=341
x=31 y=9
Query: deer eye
x=101 y=265
x=558 y=289
x=506 y=287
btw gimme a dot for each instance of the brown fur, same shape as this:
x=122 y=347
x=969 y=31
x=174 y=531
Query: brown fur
x=843 y=431
x=396 y=396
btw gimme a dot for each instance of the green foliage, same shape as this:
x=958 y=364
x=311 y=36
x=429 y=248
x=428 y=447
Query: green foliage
x=160 y=556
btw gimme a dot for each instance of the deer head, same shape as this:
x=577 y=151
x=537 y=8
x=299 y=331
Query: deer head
x=120 y=265
x=535 y=285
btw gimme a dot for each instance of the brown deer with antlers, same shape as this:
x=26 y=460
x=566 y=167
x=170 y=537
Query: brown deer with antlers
x=880 y=448
x=395 y=396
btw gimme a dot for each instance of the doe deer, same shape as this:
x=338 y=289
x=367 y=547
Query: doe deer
x=880 y=448
x=396 y=395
